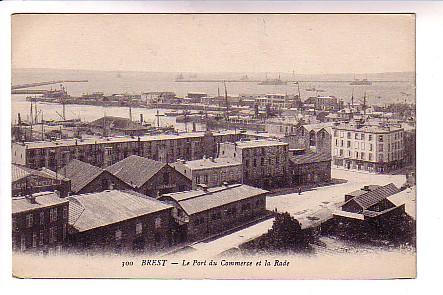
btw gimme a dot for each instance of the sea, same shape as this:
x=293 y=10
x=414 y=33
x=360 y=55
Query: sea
x=113 y=82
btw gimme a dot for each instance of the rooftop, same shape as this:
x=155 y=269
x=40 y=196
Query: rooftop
x=115 y=139
x=94 y=210
x=118 y=123
x=211 y=163
x=43 y=199
x=309 y=157
x=372 y=197
x=20 y=172
x=258 y=143
x=135 y=170
x=367 y=128
x=80 y=174
x=196 y=201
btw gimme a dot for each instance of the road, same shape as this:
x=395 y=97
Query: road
x=299 y=206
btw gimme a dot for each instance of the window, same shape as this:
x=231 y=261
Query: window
x=52 y=234
x=65 y=212
x=349 y=135
x=356 y=145
x=380 y=147
x=23 y=243
x=363 y=146
x=262 y=161
x=197 y=179
x=356 y=155
x=118 y=235
x=370 y=147
x=336 y=142
x=380 y=157
x=341 y=143
x=341 y=152
x=53 y=214
x=158 y=222
x=362 y=136
x=138 y=228
x=255 y=162
x=335 y=133
x=247 y=163
x=370 y=137
x=356 y=135
x=205 y=177
x=34 y=240
x=349 y=154
x=349 y=144
x=380 y=138
x=370 y=157
x=362 y=155
x=42 y=217
x=29 y=220
x=64 y=231
x=41 y=239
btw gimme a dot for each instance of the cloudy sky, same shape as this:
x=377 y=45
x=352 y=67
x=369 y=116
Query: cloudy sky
x=306 y=44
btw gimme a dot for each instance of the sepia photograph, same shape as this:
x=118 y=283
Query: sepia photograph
x=213 y=146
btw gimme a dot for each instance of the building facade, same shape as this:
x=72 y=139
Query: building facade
x=39 y=223
x=200 y=214
x=308 y=168
x=210 y=171
x=265 y=162
x=118 y=221
x=373 y=148
x=105 y=151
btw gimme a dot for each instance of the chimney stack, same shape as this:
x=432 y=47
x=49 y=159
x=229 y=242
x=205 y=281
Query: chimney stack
x=31 y=199
x=202 y=187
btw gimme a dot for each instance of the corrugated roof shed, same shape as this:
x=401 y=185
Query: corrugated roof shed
x=371 y=198
x=43 y=199
x=135 y=170
x=80 y=174
x=196 y=201
x=94 y=210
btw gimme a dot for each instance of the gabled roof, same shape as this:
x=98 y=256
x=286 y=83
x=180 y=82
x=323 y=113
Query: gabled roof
x=374 y=196
x=20 y=172
x=89 y=211
x=309 y=157
x=80 y=174
x=196 y=201
x=135 y=170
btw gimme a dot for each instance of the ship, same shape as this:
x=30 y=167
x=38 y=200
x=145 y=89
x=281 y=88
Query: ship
x=361 y=82
x=277 y=81
x=179 y=77
x=244 y=78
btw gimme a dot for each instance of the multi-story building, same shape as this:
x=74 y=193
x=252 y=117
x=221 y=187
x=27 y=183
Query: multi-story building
x=309 y=168
x=325 y=103
x=211 y=171
x=118 y=221
x=374 y=148
x=265 y=162
x=39 y=222
x=277 y=101
x=202 y=213
x=105 y=151
x=26 y=181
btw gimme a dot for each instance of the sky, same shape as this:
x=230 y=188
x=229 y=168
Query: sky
x=303 y=43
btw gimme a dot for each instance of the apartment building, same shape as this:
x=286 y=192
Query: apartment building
x=265 y=162
x=373 y=148
x=211 y=171
x=105 y=151
x=39 y=223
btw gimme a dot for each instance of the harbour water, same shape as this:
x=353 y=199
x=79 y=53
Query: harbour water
x=379 y=93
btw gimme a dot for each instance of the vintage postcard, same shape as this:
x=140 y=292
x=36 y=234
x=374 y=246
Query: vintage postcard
x=221 y=146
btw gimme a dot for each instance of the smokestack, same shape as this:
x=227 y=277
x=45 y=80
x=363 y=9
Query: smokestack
x=141 y=119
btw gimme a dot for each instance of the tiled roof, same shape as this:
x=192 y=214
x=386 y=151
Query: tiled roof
x=80 y=174
x=43 y=199
x=20 y=172
x=135 y=170
x=196 y=201
x=309 y=157
x=371 y=198
x=94 y=210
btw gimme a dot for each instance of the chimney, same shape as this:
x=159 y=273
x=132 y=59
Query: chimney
x=203 y=187
x=212 y=159
x=141 y=119
x=31 y=199
x=225 y=184
x=57 y=192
